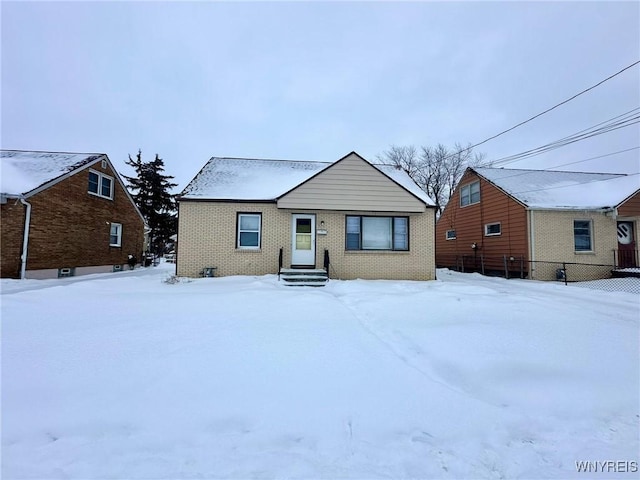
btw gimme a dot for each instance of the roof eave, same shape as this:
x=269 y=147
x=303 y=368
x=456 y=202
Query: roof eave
x=223 y=200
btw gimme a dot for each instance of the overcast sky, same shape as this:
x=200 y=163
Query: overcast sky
x=316 y=80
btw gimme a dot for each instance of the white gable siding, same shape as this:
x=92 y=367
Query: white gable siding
x=351 y=184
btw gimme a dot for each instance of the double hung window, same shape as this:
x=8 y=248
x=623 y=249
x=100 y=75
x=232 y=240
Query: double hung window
x=582 y=235
x=115 y=236
x=249 y=230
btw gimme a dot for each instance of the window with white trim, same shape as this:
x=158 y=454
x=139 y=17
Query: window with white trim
x=115 y=235
x=470 y=194
x=249 y=230
x=491 y=229
x=451 y=235
x=100 y=184
x=582 y=236
x=377 y=233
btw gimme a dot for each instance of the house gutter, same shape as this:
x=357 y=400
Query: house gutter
x=571 y=209
x=25 y=240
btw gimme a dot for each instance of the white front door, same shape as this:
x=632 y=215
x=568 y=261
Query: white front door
x=303 y=241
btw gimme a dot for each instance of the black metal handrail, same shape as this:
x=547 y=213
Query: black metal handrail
x=327 y=261
x=625 y=258
x=279 y=262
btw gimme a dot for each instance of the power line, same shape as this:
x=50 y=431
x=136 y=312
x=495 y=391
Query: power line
x=575 y=184
x=547 y=110
x=623 y=120
x=594 y=158
x=625 y=117
x=527 y=172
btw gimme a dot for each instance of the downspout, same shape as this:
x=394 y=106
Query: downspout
x=25 y=240
x=532 y=245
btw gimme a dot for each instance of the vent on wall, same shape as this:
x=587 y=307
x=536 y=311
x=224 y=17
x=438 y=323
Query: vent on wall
x=104 y=164
x=66 y=272
x=117 y=268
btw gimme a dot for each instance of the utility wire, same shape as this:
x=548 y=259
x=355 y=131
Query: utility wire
x=625 y=117
x=555 y=146
x=628 y=118
x=578 y=183
x=548 y=148
x=546 y=111
x=527 y=172
x=594 y=158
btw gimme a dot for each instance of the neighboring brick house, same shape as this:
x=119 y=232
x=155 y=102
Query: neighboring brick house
x=65 y=214
x=372 y=221
x=522 y=218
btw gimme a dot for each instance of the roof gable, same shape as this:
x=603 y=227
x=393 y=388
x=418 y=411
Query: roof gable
x=352 y=183
x=23 y=172
x=547 y=189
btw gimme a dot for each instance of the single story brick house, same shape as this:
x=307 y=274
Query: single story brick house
x=65 y=214
x=251 y=216
x=501 y=216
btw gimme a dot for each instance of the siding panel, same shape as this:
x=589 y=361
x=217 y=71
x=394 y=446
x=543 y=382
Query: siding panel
x=468 y=222
x=351 y=184
x=630 y=208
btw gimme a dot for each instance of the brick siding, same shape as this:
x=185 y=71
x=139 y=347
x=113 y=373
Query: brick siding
x=554 y=242
x=12 y=216
x=207 y=238
x=71 y=228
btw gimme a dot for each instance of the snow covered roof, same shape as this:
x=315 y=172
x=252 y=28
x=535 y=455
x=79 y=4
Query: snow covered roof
x=249 y=179
x=547 y=189
x=224 y=178
x=22 y=172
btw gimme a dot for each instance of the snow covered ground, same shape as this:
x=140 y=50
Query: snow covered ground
x=127 y=376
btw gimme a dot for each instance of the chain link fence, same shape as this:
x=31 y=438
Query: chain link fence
x=587 y=275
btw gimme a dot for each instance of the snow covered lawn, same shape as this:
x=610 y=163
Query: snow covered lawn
x=126 y=376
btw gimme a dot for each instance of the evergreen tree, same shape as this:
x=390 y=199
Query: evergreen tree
x=151 y=193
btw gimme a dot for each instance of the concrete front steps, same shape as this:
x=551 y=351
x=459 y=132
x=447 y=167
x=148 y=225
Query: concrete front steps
x=310 y=277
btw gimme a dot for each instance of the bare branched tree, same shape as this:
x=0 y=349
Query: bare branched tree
x=436 y=170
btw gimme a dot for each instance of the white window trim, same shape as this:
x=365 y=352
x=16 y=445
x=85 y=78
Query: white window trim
x=119 y=234
x=447 y=237
x=240 y=247
x=393 y=248
x=467 y=187
x=100 y=177
x=590 y=222
x=486 y=229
